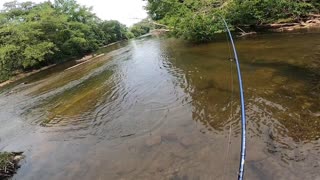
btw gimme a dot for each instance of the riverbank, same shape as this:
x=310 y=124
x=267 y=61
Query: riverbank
x=22 y=75
x=310 y=22
x=9 y=163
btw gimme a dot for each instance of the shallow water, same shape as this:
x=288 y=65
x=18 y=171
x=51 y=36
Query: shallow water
x=163 y=109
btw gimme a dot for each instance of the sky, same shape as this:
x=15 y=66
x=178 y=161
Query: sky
x=127 y=12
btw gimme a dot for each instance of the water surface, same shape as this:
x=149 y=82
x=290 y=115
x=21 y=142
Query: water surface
x=161 y=108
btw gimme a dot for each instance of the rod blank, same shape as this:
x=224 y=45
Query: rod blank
x=243 y=112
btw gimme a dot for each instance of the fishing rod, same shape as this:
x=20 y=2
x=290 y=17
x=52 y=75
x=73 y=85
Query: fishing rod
x=243 y=113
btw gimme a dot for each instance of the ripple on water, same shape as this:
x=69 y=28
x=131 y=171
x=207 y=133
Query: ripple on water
x=161 y=109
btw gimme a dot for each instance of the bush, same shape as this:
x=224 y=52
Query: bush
x=193 y=19
x=34 y=35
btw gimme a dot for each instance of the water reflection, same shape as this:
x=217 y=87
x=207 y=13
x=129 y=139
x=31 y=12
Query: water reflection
x=161 y=109
x=281 y=92
x=272 y=82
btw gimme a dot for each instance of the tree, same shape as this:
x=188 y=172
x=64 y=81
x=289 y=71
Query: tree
x=114 y=31
x=141 y=28
x=34 y=35
x=23 y=42
x=197 y=20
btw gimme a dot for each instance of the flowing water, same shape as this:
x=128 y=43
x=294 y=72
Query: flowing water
x=160 y=108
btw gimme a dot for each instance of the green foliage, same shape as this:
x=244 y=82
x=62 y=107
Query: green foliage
x=191 y=19
x=316 y=4
x=5 y=160
x=34 y=54
x=158 y=9
x=129 y=35
x=261 y=11
x=141 y=28
x=115 y=31
x=33 y=35
x=9 y=163
x=8 y=55
x=197 y=20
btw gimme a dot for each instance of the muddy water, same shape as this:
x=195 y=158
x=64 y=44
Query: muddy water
x=167 y=109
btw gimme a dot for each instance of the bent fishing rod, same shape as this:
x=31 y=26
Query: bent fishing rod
x=243 y=113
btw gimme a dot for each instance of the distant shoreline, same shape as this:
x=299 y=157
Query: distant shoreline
x=274 y=27
x=312 y=22
x=22 y=75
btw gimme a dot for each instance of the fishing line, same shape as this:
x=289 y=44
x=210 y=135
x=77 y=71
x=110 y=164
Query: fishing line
x=227 y=158
x=243 y=114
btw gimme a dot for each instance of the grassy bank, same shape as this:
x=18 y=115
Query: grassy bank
x=9 y=163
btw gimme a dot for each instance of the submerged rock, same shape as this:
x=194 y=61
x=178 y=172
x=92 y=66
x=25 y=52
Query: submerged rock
x=153 y=140
x=170 y=137
x=186 y=142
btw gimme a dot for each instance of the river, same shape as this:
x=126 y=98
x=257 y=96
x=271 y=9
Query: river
x=162 y=108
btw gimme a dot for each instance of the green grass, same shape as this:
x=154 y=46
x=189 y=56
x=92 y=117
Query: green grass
x=8 y=164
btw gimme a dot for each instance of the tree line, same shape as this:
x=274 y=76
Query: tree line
x=35 y=35
x=141 y=28
x=198 y=20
